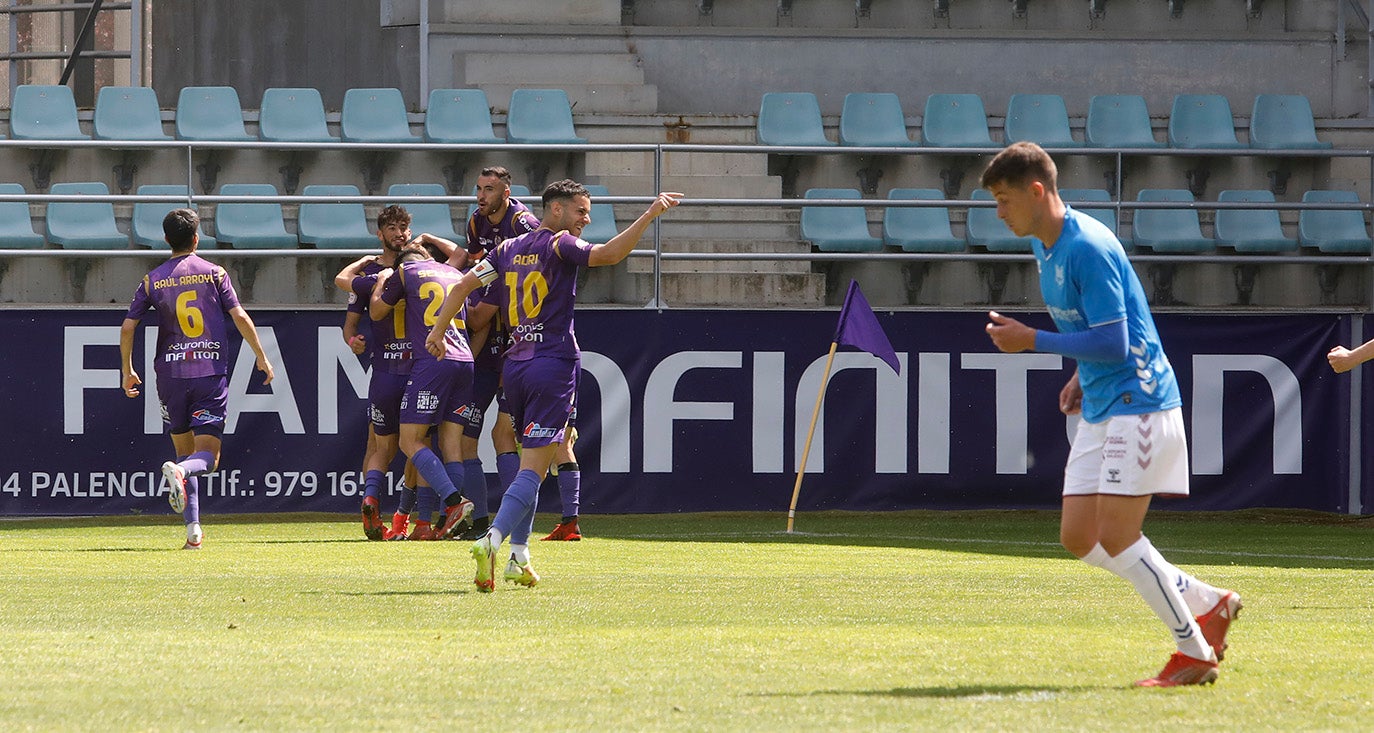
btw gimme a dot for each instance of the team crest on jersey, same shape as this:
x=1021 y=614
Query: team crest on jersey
x=535 y=430
x=352 y=298
x=1059 y=275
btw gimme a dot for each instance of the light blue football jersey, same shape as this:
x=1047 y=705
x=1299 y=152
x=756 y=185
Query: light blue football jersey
x=1087 y=281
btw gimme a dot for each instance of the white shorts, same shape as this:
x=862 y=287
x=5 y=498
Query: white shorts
x=1129 y=455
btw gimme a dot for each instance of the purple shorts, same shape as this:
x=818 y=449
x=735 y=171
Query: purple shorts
x=197 y=404
x=384 y=395
x=541 y=392
x=486 y=384
x=438 y=391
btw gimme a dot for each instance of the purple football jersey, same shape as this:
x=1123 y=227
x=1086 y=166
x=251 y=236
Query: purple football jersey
x=483 y=235
x=495 y=347
x=389 y=343
x=192 y=298
x=537 y=287
x=423 y=286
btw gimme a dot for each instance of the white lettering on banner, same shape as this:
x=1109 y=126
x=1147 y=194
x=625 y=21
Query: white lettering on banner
x=152 y=406
x=76 y=378
x=280 y=399
x=770 y=410
x=932 y=413
x=1208 y=374
x=889 y=404
x=661 y=409
x=1011 y=400
x=335 y=353
x=615 y=411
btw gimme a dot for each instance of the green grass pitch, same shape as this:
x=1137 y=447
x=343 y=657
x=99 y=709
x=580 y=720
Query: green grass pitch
x=895 y=621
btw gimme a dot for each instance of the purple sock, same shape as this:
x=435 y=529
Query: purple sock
x=569 y=489
x=192 y=511
x=407 y=503
x=518 y=502
x=455 y=472
x=507 y=465
x=432 y=469
x=427 y=502
x=372 y=484
x=198 y=463
x=475 y=486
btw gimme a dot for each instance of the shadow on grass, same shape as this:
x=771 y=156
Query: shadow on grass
x=990 y=692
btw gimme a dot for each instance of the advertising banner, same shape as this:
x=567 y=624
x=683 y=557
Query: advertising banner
x=692 y=410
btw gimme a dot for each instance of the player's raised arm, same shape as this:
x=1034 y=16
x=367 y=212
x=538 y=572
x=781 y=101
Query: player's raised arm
x=344 y=280
x=453 y=254
x=619 y=247
x=376 y=307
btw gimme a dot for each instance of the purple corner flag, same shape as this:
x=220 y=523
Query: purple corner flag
x=858 y=327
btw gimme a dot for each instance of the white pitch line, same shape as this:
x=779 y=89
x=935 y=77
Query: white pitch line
x=985 y=541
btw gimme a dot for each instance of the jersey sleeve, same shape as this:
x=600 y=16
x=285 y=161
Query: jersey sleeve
x=228 y=299
x=140 y=303
x=361 y=293
x=523 y=223
x=571 y=249
x=394 y=289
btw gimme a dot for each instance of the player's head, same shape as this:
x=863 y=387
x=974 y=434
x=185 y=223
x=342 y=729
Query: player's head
x=181 y=229
x=413 y=254
x=493 y=190
x=393 y=227
x=567 y=205
x=1024 y=181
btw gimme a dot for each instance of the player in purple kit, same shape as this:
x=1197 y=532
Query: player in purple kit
x=391 y=363
x=536 y=276
x=498 y=216
x=191 y=297
x=439 y=389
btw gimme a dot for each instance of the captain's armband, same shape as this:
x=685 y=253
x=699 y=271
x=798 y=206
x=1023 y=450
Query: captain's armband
x=485 y=271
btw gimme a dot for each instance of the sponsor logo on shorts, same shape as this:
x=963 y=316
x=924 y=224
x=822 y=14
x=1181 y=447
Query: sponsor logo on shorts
x=205 y=416
x=470 y=413
x=426 y=401
x=535 y=430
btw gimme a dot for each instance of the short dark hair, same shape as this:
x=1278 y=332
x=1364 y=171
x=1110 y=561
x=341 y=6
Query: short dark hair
x=393 y=214
x=1019 y=164
x=179 y=227
x=413 y=254
x=564 y=189
x=497 y=171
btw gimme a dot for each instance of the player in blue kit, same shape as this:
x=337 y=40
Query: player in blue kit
x=439 y=389
x=1130 y=443
x=536 y=278
x=391 y=364
x=191 y=297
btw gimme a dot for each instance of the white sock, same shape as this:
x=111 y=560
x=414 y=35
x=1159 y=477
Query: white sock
x=495 y=536
x=521 y=553
x=1199 y=596
x=194 y=533
x=1158 y=587
x=1098 y=558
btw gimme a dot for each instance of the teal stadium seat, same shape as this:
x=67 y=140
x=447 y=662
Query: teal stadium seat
x=210 y=113
x=41 y=112
x=985 y=230
x=1284 y=122
x=837 y=228
x=334 y=225
x=919 y=229
x=83 y=224
x=436 y=219
x=1169 y=230
x=791 y=118
x=603 y=226
x=1202 y=121
x=874 y=120
x=128 y=113
x=293 y=114
x=955 y=121
x=459 y=116
x=16 y=224
x=375 y=115
x=541 y=116
x=146 y=224
x=1040 y=118
x=1106 y=215
x=1251 y=230
x=1119 y=121
x=251 y=225
x=1333 y=231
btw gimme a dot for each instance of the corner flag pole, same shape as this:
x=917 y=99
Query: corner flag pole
x=801 y=469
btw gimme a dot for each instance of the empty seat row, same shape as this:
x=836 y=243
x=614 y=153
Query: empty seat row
x=242 y=225
x=455 y=116
x=928 y=229
x=1197 y=121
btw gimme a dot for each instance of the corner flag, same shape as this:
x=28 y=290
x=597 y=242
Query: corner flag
x=859 y=327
